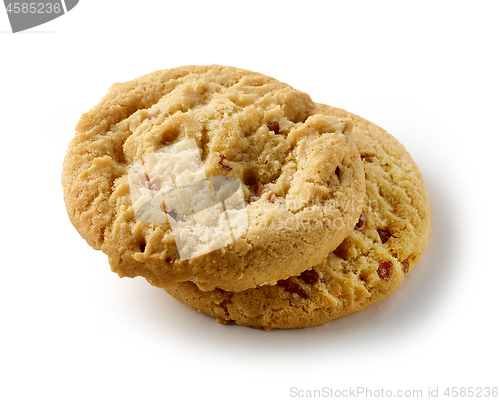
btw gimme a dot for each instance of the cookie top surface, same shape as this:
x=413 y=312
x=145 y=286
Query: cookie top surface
x=216 y=175
x=389 y=238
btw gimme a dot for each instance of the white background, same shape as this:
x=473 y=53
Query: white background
x=425 y=71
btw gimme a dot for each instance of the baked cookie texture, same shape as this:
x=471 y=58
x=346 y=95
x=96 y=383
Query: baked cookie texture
x=370 y=264
x=149 y=172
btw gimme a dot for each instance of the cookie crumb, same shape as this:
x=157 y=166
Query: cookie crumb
x=222 y=158
x=261 y=191
x=273 y=197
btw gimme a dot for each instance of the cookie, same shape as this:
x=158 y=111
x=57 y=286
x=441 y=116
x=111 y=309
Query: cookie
x=388 y=240
x=215 y=175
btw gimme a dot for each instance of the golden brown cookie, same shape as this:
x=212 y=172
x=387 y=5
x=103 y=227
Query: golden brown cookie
x=216 y=175
x=388 y=240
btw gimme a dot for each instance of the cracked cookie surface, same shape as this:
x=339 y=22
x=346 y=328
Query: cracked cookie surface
x=386 y=243
x=150 y=170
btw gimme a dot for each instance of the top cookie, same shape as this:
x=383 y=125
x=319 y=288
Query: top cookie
x=216 y=175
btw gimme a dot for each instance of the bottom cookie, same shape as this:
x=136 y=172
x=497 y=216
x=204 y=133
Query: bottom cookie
x=372 y=262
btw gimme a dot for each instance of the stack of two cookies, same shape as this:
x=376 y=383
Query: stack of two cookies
x=243 y=198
